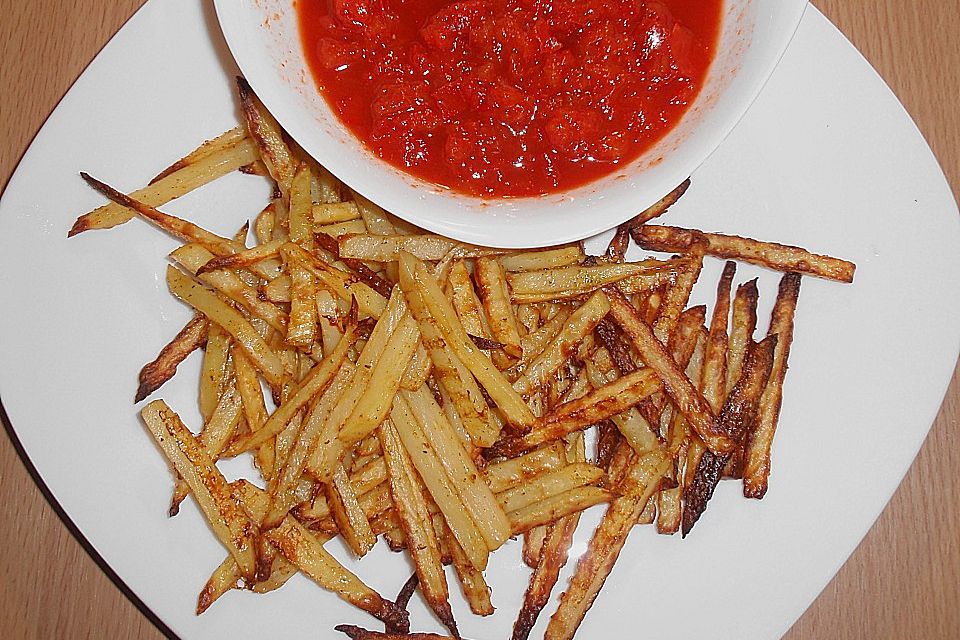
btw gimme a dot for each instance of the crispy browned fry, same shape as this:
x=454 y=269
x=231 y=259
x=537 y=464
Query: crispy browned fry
x=333 y=212
x=617 y=247
x=617 y=346
x=365 y=273
x=595 y=565
x=687 y=398
x=356 y=633
x=155 y=373
x=553 y=556
x=576 y=415
x=779 y=257
x=660 y=207
x=756 y=470
x=177 y=227
x=188 y=456
x=268 y=136
x=224 y=578
x=215 y=434
x=417 y=525
x=608 y=439
x=509 y=473
x=739 y=411
x=742 y=327
x=713 y=382
x=495 y=294
x=678 y=293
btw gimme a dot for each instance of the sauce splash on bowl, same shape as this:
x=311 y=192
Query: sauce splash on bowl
x=500 y=98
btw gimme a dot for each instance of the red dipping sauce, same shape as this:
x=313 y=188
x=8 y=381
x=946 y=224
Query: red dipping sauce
x=509 y=97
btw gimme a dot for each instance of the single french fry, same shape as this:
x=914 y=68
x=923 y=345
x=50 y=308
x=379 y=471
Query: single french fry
x=552 y=558
x=387 y=248
x=417 y=525
x=543 y=259
x=213 y=371
x=153 y=374
x=713 y=384
x=267 y=135
x=509 y=473
x=743 y=324
x=533 y=544
x=547 y=485
x=191 y=461
x=224 y=578
x=349 y=516
x=605 y=546
x=756 y=470
x=304 y=550
x=495 y=294
x=660 y=207
x=214 y=436
x=475 y=588
x=465 y=301
x=209 y=147
x=242 y=259
x=571 y=282
x=775 y=256
x=334 y=212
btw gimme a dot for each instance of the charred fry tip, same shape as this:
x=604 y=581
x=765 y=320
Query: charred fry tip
x=143 y=391
x=407 y=591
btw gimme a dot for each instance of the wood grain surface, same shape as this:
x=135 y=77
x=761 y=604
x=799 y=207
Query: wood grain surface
x=902 y=582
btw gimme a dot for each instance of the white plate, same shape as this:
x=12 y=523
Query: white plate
x=265 y=40
x=826 y=158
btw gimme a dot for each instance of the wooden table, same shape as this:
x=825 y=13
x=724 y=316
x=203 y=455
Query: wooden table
x=902 y=582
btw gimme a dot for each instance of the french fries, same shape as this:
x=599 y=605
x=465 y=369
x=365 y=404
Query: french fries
x=779 y=257
x=437 y=393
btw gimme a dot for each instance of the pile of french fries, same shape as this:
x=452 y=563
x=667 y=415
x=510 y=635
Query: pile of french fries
x=448 y=397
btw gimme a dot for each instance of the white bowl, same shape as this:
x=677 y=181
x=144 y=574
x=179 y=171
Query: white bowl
x=264 y=37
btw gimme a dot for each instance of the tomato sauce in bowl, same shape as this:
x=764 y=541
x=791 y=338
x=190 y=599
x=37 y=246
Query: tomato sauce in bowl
x=501 y=98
